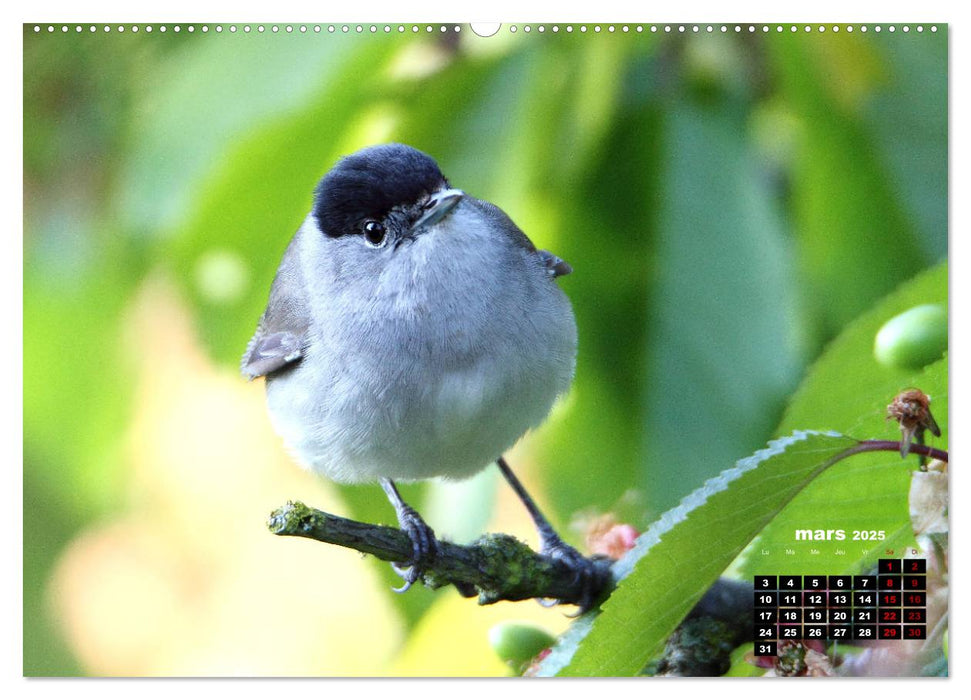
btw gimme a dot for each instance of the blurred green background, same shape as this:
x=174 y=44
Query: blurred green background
x=728 y=201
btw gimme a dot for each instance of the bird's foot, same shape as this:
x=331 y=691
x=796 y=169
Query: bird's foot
x=423 y=543
x=592 y=574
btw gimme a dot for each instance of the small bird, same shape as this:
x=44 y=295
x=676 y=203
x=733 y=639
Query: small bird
x=412 y=331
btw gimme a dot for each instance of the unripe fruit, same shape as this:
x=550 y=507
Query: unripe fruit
x=518 y=643
x=913 y=338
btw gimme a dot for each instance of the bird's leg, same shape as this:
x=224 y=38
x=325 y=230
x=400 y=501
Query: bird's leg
x=423 y=540
x=550 y=543
x=592 y=576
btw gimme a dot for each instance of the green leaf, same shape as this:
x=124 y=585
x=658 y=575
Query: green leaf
x=701 y=536
x=599 y=425
x=855 y=238
x=725 y=355
x=847 y=390
x=908 y=120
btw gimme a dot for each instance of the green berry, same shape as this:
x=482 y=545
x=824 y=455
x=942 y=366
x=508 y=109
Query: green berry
x=518 y=643
x=913 y=338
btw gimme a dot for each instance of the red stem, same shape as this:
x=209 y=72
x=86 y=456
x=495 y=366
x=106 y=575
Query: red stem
x=894 y=446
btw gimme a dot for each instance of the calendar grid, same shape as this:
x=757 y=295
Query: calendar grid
x=888 y=605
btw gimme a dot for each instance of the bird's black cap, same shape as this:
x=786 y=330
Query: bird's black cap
x=367 y=184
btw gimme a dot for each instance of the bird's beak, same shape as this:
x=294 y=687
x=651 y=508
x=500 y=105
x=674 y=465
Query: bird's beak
x=441 y=203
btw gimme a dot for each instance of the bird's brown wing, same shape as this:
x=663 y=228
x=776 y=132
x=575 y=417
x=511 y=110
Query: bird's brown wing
x=281 y=334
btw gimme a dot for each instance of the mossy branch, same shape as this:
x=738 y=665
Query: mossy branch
x=495 y=566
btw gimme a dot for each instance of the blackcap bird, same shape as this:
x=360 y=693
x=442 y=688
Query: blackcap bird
x=412 y=331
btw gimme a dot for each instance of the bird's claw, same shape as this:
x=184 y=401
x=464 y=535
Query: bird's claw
x=590 y=573
x=424 y=548
x=408 y=573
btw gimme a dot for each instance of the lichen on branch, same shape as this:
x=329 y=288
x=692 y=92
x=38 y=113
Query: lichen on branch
x=495 y=567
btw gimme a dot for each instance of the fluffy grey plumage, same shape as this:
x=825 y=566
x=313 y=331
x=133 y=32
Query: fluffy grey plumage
x=421 y=338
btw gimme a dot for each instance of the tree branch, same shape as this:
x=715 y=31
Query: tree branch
x=496 y=566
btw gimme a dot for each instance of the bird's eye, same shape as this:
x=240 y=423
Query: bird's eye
x=374 y=233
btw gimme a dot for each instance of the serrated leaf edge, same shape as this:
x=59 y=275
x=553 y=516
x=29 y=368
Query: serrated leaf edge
x=567 y=644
